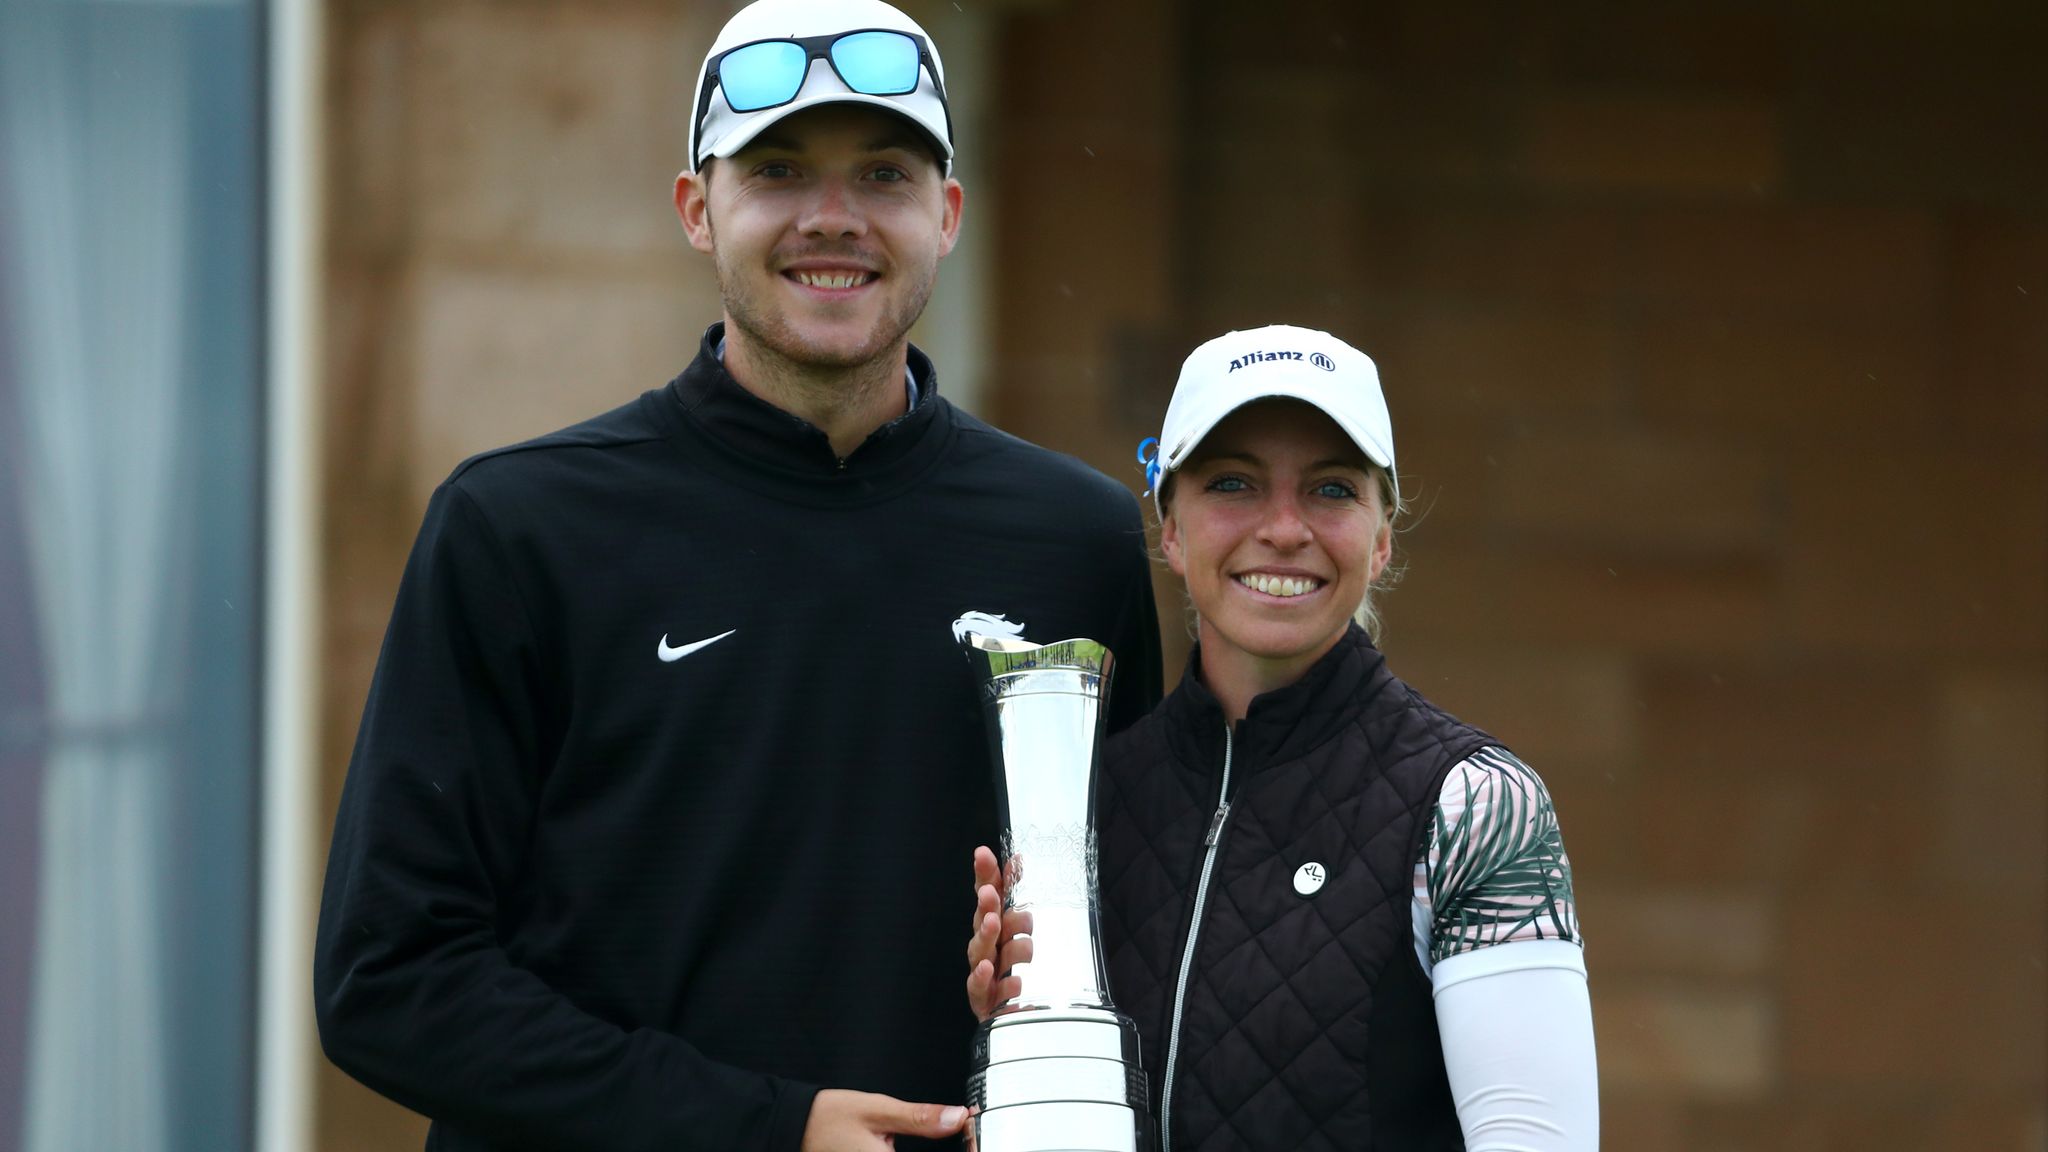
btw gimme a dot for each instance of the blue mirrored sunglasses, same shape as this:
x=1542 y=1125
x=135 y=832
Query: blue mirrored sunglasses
x=769 y=73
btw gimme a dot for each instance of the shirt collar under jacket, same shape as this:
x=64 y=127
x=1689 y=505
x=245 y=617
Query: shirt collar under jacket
x=758 y=430
x=1281 y=725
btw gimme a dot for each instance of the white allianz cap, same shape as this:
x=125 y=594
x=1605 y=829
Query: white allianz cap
x=723 y=131
x=1279 y=360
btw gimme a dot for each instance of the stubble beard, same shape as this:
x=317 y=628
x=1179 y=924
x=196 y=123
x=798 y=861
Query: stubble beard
x=770 y=328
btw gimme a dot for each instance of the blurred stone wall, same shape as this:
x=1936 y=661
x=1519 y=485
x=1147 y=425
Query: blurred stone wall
x=1716 y=346
x=503 y=260
x=1716 y=340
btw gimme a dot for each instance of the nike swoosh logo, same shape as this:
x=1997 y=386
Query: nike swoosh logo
x=671 y=655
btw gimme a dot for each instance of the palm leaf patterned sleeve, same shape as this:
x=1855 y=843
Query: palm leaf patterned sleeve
x=1495 y=870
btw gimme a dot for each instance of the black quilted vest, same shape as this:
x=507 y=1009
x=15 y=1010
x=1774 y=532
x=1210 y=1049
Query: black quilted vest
x=1308 y=1022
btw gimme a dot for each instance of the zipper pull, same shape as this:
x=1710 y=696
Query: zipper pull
x=1216 y=824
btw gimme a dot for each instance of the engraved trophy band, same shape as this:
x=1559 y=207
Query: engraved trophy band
x=1055 y=1068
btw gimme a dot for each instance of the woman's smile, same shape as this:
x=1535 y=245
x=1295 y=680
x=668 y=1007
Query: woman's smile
x=1281 y=585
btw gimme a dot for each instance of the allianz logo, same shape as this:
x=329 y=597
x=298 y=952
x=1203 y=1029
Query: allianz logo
x=1319 y=360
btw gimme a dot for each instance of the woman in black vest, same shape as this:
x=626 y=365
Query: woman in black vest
x=1341 y=918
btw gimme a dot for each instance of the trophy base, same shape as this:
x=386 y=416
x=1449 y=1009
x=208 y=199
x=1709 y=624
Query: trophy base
x=1060 y=1126
x=1058 y=1080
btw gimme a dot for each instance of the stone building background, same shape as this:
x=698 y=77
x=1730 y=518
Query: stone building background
x=1716 y=339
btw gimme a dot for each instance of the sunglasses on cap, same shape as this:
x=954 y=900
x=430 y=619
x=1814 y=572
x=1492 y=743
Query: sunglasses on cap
x=769 y=73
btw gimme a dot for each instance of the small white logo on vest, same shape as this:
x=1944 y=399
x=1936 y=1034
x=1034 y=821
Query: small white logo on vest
x=984 y=624
x=1323 y=362
x=1308 y=879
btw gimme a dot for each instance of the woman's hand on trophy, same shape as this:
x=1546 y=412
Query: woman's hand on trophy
x=846 y=1121
x=1000 y=941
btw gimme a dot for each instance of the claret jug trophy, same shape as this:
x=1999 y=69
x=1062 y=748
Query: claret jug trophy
x=1055 y=1067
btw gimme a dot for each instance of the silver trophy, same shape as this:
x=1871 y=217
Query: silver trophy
x=1056 y=1067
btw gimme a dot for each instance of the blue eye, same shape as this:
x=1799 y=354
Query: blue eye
x=1227 y=484
x=1336 y=490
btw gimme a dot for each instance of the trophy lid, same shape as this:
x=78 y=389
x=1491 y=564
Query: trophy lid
x=997 y=647
x=995 y=656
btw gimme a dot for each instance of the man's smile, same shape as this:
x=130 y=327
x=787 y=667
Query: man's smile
x=811 y=279
x=831 y=276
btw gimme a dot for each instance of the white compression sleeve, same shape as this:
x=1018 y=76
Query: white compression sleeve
x=1517 y=1027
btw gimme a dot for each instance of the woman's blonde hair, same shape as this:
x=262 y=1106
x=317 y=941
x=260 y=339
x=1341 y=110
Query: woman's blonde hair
x=1368 y=614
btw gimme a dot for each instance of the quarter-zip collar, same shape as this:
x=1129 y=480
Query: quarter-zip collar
x=771 y=449
x=1281 y=725
x=723 y=407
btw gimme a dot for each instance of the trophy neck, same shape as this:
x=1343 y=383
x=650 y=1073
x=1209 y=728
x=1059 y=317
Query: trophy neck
x=1043 y=704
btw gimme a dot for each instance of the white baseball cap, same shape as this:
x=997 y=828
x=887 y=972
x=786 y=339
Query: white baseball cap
x=1279 y=360
x=717 y=130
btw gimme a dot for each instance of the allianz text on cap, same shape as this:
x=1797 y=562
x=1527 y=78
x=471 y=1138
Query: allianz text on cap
x=775 y=58
x=1279 y=360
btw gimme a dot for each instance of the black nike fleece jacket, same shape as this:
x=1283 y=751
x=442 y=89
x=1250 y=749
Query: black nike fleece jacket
x=660 y=811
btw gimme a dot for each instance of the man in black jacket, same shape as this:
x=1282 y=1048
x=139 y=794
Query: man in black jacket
x=650 y=677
